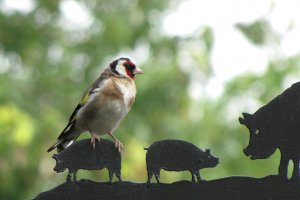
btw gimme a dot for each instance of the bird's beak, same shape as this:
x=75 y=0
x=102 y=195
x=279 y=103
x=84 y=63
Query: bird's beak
x=138 y=71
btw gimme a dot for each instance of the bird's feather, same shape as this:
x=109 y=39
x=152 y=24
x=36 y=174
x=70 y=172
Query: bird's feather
x=67 y=135
x=112 y=87
x=85 y=99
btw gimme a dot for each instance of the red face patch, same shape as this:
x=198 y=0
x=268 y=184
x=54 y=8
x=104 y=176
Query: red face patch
x=129 y=73
x=130 y=63
x=129 y=67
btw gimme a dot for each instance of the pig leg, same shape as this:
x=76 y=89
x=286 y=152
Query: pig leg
x=283 y=167
x=198 y=176
x=150 y=174
x=118 y=174
x=156 y=174
x=296 y=174
x=69 y=177
x=118 y=144
x=75 y=176
x=111 y=173
x=193 y=177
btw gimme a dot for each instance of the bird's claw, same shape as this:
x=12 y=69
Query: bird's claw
x=118 y=145
x=93 y=140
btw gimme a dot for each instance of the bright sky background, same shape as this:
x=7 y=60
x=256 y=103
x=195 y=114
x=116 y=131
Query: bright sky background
x=232 y=53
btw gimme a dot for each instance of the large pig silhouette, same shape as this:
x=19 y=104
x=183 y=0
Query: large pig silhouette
x=276 y=125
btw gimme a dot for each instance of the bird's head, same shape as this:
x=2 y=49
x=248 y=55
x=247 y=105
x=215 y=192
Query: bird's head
x=125 y=67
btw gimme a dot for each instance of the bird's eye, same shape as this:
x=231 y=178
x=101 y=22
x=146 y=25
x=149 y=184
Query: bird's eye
x=256 y=131
x=129 y=66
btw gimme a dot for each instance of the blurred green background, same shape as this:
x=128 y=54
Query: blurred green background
x=52 y=50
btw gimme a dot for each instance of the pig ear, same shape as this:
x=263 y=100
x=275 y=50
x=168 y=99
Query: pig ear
x=246 y=118
x=54 y=156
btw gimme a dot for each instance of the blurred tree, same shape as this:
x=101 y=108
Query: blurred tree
x=47 y=60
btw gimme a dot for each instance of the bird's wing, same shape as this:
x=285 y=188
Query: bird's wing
x=88 y=94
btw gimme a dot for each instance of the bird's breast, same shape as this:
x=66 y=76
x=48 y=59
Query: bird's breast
x=108 y=107
x=128 y=92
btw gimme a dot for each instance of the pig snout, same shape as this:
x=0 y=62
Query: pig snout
x=58 y=169
x=215 y=161
x=246 y=152
x=55 y=169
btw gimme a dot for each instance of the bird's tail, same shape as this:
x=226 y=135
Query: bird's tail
x=63 y=143
x=66 y=138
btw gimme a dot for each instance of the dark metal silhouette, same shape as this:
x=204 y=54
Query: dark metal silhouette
x=81 y=155
x=177 y=155
x=230 y=188
x=276 y=125
x=273 y=126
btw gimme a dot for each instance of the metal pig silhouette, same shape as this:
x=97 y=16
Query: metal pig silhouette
x=81 y=155
x=177 y=155
x=276 y=125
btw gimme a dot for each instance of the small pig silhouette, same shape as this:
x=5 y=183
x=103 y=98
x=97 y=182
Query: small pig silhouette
x=81 y=155
x=177 y=155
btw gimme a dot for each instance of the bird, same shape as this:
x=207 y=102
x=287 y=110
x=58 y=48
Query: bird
x=103 y=105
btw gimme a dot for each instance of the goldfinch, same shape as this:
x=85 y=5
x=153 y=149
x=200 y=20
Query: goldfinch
x=103 y=106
